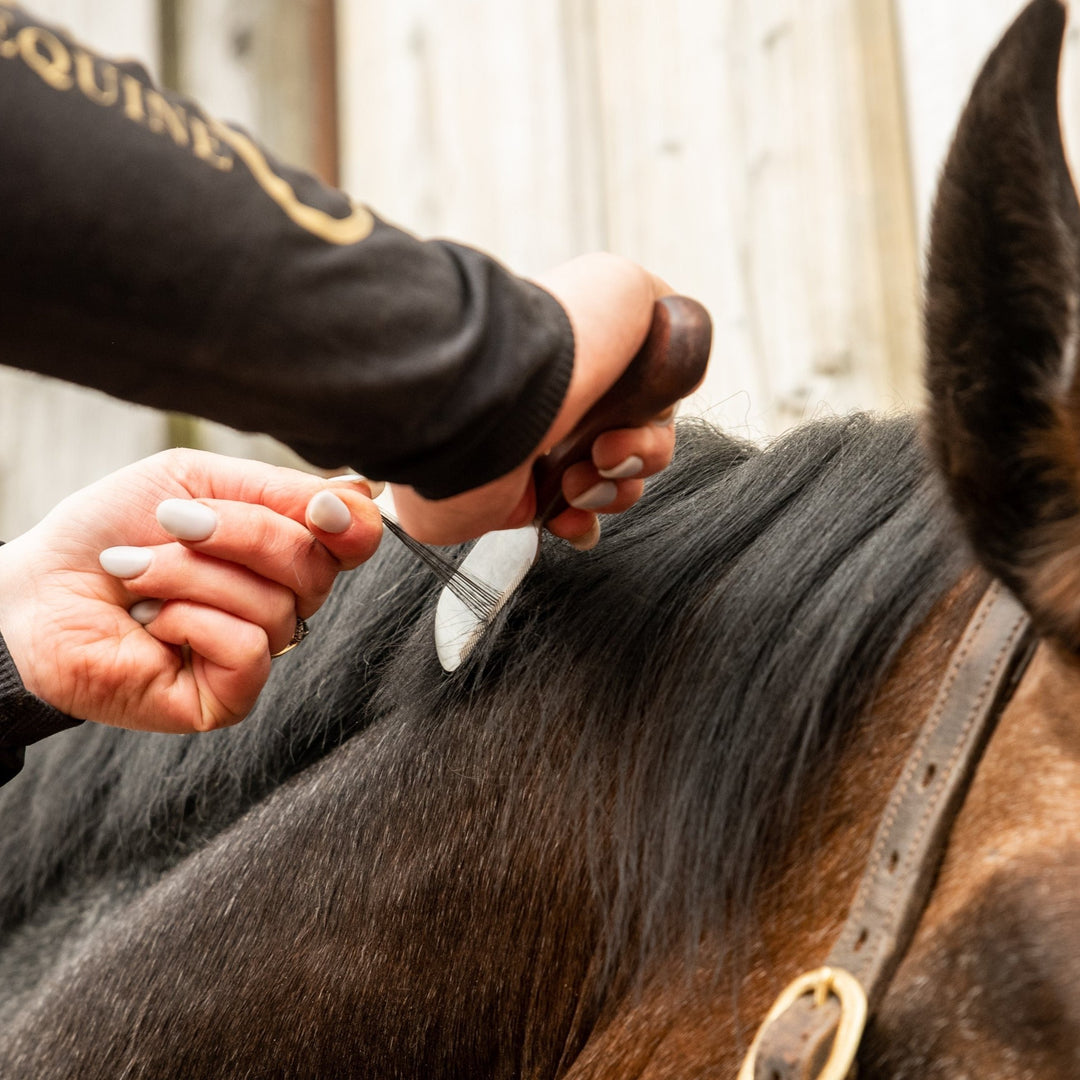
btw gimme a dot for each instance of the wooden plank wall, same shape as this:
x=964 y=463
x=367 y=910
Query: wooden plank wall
x=775 y=157
x=752 y=153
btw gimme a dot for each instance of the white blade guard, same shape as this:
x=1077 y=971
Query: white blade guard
x=498 y=561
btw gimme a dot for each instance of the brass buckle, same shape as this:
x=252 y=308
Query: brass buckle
x=822 y=982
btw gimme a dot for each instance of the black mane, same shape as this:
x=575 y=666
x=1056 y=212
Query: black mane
x=661 y=705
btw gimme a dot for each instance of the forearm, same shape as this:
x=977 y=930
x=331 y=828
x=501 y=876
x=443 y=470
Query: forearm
x=151 y=253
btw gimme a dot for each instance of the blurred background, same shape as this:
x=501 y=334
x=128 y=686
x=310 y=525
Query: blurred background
x=775 y=158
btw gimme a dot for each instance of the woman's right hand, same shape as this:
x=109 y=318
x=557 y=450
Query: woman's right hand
x=609 y=302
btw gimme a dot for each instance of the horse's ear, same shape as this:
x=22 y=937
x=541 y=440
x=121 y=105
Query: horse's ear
x=1002 y=326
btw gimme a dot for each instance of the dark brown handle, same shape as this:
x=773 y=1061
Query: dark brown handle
x=668 y=366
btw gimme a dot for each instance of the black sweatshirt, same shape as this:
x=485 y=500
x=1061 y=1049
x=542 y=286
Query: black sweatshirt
x=152 y=252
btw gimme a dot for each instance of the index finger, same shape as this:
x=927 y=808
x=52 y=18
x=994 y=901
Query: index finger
x=204 y=475
x=273 y=545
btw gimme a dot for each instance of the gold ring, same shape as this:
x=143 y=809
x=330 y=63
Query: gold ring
x=298 y=635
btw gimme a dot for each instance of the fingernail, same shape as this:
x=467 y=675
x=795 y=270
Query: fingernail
x=589 y=540
x=327 y=512
x=667 y=418
x=146 y=611
x=626 y=468
x=186 y=519
x=598 y=495
x=375 y=486
x=125 y=562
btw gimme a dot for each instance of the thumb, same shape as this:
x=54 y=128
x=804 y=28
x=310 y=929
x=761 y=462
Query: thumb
x=609 y=302
x=342 y=516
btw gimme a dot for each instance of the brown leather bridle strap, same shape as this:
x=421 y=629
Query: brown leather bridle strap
x=800 y=1040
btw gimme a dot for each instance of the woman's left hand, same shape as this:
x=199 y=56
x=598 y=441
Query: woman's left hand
x=155 y=598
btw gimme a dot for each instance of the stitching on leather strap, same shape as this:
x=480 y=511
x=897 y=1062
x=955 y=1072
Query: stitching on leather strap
x=981 y=674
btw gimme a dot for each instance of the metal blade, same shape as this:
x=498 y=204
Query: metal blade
x=499 y=560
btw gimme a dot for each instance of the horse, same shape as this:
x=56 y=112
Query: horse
x=603 y=846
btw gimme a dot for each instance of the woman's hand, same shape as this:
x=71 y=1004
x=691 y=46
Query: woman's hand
x=133 y=604
x=609 y=302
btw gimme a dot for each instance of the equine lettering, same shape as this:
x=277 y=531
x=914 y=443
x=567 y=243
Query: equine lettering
x=104 y=84
x=69 y=68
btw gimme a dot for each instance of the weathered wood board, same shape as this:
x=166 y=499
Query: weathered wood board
x=754 y=154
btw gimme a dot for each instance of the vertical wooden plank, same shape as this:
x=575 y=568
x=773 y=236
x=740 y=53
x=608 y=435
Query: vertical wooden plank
x=585 y=162
x=693 y=146
x=1070 y=88
x=250 y=61
x=460 y=120
x=56 y=438
x=740 y=167
x=123 y=30
x=895 y=290
x=322 y=34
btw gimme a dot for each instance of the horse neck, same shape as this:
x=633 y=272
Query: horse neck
x=705 y=1023
x=990 y=977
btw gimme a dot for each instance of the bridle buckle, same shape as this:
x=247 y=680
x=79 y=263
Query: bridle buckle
x=823 y=983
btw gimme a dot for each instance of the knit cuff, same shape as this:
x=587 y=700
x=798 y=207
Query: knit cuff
x=490 y=450
x=24 y=718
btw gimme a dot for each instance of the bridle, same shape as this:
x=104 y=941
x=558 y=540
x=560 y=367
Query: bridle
x=814 y=1028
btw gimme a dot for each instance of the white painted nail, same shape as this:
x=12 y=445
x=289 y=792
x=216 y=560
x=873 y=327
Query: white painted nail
x=327 y=512
x=376 y=487
x=125 y=562
x=589 y=540
x=626 y=469
x=186 y=519
x=595 y=497
x=146 y=611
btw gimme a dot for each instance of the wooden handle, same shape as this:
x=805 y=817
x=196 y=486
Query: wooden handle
x=668 y=366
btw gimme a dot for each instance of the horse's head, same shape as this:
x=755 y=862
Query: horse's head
x=991 y=985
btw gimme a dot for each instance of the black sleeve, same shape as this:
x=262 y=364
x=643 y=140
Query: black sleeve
x=149 y=251
x=24 y=718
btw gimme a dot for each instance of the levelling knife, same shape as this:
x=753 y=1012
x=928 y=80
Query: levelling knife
x=668 y=366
